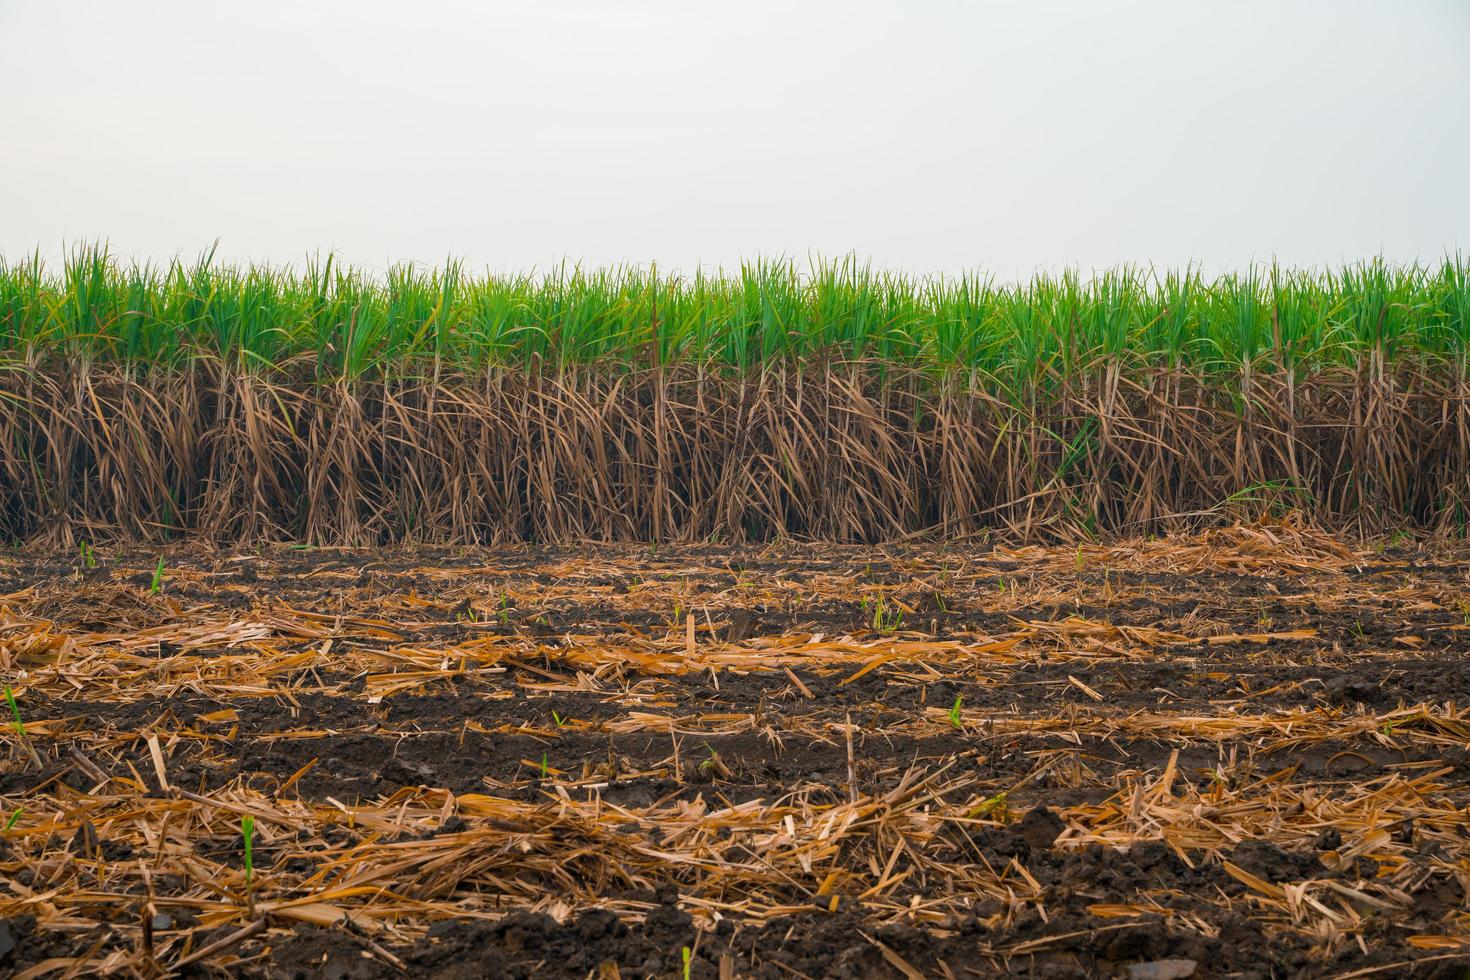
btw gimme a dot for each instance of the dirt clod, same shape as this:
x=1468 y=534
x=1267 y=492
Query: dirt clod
x=1040 y=828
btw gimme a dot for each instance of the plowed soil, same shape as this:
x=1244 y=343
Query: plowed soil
x=1238 y=754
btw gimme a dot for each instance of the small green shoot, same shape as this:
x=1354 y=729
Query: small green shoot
x=885 y=620
x=560 y=721
x=17 y=724
x=713 y=766
x=686 y=962
x=998 y=804
x=89 y=559
x=954 y=712
x=247 y=831
x=20 y=726
x=14 y=818
x=157 y=577
x=544 y=768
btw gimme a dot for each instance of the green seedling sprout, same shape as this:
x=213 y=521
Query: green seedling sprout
x=14 y=817
x=17 y=724
x=686 y=956
x=954 y=712
x=20 y=726
x=560 y=721
x=884 y=619
x=999 y=804
x=544 y=768
x=88 y=559
x=157 y=577
x=247 y=832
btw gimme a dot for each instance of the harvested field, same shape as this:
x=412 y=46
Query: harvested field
x=1246 y=749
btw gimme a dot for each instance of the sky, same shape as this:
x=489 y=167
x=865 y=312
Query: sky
x=924 y=135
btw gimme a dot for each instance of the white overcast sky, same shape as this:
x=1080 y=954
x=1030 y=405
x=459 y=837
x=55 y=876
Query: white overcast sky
x=922 y=134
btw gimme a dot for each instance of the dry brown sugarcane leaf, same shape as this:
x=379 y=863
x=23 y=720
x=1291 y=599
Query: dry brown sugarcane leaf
x=1303 y=634
x=1114 y=910
x=1253 y=882
x=320 y=914
x=1438 y=942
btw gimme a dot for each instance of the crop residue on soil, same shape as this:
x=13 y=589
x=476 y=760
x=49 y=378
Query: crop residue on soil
x=1242 y=753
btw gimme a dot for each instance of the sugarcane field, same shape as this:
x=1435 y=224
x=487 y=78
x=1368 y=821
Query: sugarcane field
x=674 y=642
